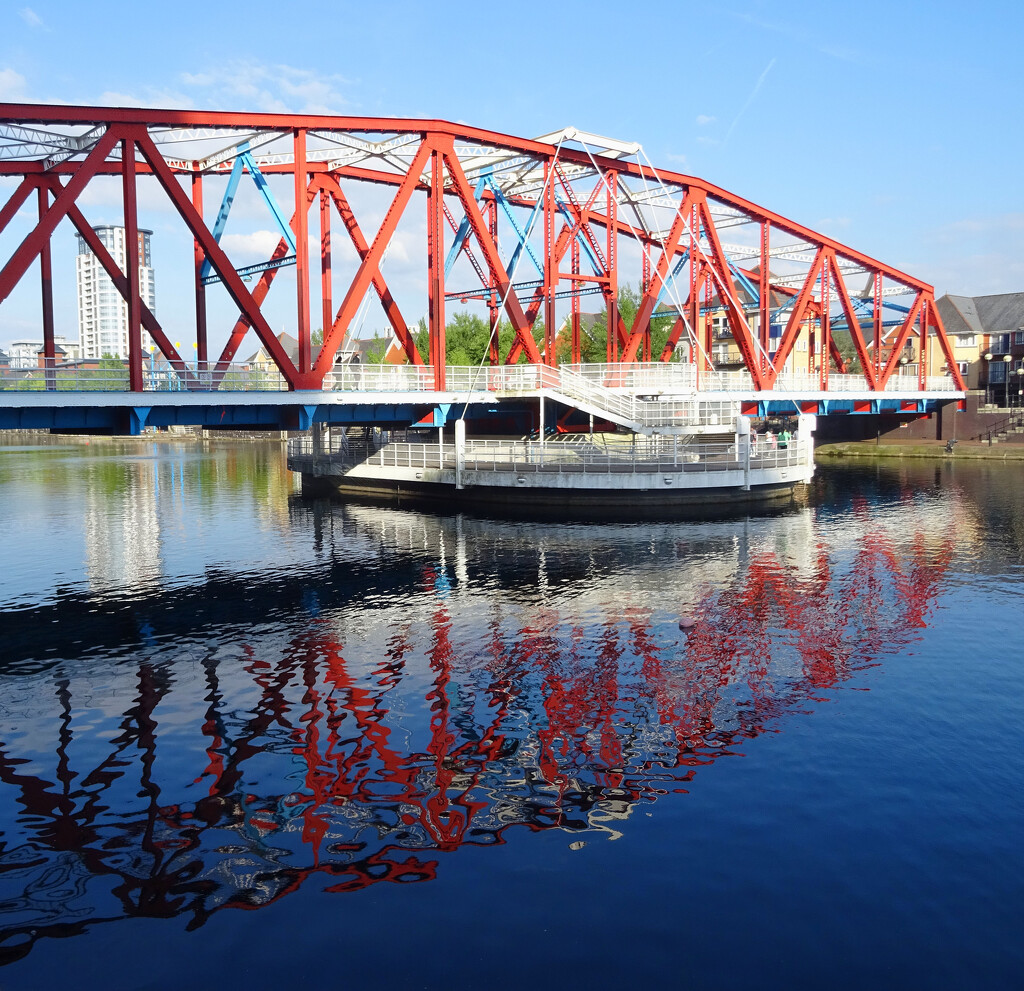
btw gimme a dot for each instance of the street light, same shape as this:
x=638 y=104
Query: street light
x=1006 y=378
x=988 y=376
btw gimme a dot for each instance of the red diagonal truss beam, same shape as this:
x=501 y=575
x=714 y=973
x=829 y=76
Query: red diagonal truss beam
x=220 y=262
x=650 y=296
x=852 y=323
x=391 y=310
x=369 y=265
x=477 y=224
x=29 y=249
x=120 y=281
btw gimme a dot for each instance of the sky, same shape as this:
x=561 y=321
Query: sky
x=895 y=128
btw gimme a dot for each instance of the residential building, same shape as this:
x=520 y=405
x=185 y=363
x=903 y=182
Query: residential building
x=359 y=350
x=987 y=333
x=102 y=311
x=25 y=354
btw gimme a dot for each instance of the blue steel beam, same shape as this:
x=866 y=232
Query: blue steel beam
x=245 y=162
x=520 y=234
x=463 y=232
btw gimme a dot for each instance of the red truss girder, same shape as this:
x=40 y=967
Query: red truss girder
x=437 y=171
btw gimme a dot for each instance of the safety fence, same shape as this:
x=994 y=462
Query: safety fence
x=639 y=454
x=643 y=393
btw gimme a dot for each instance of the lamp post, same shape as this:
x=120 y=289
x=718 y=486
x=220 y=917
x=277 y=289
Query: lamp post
x=1006 y=377
x=988 y=375
x=1020 y=385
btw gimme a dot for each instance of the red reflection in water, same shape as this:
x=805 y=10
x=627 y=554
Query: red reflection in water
x=539 y=723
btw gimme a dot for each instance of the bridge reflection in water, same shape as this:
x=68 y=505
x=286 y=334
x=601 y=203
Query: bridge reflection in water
x=529 y=676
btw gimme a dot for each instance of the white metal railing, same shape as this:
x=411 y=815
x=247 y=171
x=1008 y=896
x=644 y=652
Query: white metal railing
x=644 y=455
x=624 y=392
x=804 y=383
x=192 y=378
x=642 y=377
x=586 y=390
x=334 y=443
x=380 y=378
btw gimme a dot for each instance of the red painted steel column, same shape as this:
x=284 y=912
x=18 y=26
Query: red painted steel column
x=922 y=363
x=696 y=344
x=199 y=257
x=435 y=267
x=492 y=304
x=645 y=281
x=325 y=262
x=764 y=290
x=577 y=350
x=709 y=291
x=131 y=265
x=46 y=291
x=612 y=288
x=829 y=266
x=877 y=324
x=302 y=253
x=550 y=264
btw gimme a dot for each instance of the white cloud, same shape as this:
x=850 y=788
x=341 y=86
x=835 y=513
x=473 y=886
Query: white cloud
x=32 y=19
x=244 y=85
x=12 y=86
x=259 y=245
x=703 y=120
x=677 y=159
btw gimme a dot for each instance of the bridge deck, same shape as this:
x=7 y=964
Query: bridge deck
x=653 y=398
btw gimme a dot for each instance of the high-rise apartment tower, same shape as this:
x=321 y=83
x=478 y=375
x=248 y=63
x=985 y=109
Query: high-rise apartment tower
x=102 y=313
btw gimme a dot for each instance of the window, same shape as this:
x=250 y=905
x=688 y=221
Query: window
x=967 y=341
x=801 y=345
x=1018 y=337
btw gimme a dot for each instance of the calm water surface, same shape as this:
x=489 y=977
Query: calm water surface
x=248 y=740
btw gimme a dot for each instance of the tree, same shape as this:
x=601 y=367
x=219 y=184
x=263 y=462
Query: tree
x=844 y=342
x=594 y=332
x=110 y=375
x=377 y=352
x=468 y=336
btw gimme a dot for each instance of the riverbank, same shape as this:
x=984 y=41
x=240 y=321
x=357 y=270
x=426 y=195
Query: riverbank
x=962 y=450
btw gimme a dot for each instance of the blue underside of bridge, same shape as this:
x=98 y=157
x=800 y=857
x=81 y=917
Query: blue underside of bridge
x=828 y=407
x=134 y=419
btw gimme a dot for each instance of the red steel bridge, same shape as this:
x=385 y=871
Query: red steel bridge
x=519 y=229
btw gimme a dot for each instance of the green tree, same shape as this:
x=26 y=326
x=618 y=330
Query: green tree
x=844 y=342
x=110 y=375
x=377 y=351
x=594 y=332
x=468 y=335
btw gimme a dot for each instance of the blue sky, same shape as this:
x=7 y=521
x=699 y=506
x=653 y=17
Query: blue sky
x=894 y=128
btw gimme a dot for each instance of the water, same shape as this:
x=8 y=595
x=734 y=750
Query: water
x=251 y=741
